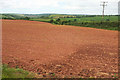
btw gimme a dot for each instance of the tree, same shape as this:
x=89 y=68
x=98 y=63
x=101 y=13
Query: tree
x=107 y=19
x=63 y=22
x=26 y=18
x=42 y=17
x=75 y=19
x=58 y=19
x=51 y=21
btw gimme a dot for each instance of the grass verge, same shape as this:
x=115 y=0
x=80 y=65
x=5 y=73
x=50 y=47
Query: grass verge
x=8 y=72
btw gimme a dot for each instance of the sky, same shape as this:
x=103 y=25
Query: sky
x=91 y=7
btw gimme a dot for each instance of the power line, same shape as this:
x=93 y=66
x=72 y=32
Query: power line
x=103 y=4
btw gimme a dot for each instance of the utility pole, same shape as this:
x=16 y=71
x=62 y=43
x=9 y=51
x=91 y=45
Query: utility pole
x=103 y=4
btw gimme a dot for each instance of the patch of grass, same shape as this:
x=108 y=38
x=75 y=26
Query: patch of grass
x=41 y=19
x=115 y=75
x=96 y=18
x=53 y=74
x=8 y=72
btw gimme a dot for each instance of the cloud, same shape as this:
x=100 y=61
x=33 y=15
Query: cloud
x=91 y=6
x=27 y=3
x=59 y=6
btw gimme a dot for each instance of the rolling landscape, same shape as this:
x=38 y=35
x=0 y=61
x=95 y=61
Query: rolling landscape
x=52 y=49
x=59 y=40
x=109 y=22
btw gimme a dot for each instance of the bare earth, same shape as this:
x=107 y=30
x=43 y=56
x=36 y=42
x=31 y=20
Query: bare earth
x=59 y=50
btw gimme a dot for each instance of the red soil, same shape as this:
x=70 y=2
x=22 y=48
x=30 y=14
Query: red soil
x=64 y=50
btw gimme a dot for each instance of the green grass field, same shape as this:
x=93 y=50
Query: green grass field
x=109 y=22
x=82 y=19
x=61 y=16
x=41 y=19
x=97 y=18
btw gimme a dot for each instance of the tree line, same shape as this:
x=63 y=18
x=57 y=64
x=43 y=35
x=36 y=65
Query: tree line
x=107 y=24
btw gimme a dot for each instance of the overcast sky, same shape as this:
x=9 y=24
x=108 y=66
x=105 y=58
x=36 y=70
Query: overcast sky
x=58 y=6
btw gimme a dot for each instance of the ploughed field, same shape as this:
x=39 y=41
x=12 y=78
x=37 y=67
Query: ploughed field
x=59 y=50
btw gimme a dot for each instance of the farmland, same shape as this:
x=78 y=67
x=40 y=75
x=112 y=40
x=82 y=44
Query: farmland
x=41 y=19
x=109 y=22
x=59 y=50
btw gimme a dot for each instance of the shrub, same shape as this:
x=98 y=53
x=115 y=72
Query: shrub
x=51 y=21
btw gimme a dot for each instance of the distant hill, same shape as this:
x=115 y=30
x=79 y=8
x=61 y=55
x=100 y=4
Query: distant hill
x=12 y=16
x=45 y=16
x=20 y=16
x=62 y=16
x=37 y=15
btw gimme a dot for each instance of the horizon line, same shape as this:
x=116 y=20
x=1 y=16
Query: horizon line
x=55 y=13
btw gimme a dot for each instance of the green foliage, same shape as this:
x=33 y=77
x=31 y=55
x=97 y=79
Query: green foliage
x=12 y=16
x=75 y=19
x=51 y=21
x=15 y=16
x=58 y=19
x=109 y=22
x=107 y=19
x=96 y=18
x=26 y=18
x=101 y=25
x=40 y=19
x=115 y=75
x=61 y=16
x=8 y=72
x=94 y=21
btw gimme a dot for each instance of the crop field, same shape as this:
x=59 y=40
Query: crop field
x=88 y=19
x=84 y=19
x=41 y=19
x=108 y=22
x=62 y=51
